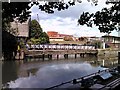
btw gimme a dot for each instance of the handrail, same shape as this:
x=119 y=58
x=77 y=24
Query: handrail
x=74 y=81
x=59 y=46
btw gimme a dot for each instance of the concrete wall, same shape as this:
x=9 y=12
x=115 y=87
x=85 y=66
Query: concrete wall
x=56 y=39
x=108 y=53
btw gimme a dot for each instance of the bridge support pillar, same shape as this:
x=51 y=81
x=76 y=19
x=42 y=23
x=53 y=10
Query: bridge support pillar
x=57 y=56
x=20 y=55
x=50 y=56
x=75 y=56
x=66 y=56
x=43 y=56
x=82 y=54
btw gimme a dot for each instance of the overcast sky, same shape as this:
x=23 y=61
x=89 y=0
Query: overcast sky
x=65 y=21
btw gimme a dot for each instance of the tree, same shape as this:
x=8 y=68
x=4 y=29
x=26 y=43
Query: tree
x=37 y=36
x=21 y=9
x=35 y=30
x=107 y=20
x=46 y=38
x=15 y=9
x=9 y=45
x=81 y=39
x=68 y=38
x=9 y=12
x=12 y=10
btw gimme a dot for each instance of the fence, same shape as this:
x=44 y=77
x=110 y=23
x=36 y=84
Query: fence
x=60 y=47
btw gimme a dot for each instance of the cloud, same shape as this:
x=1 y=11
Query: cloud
x=73 y=11
x=50 y=75
x=64 y=26
x=42 y=15
x=79 y=8
x=68 y=26
x=65 y=21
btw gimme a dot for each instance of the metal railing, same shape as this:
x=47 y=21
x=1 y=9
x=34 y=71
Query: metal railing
x=79 y=80
x=61 y=47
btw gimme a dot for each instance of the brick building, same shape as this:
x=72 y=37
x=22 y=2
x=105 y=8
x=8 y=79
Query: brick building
x=55 y=36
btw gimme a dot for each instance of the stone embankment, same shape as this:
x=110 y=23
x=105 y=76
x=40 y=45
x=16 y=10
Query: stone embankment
x=108 y=53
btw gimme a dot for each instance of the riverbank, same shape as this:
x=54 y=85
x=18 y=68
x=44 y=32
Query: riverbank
x=105 y=54
x=108 y=53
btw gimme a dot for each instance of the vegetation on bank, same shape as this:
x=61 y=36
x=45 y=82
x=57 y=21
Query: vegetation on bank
x=37 y=36
x=107 y=19
x=9 y=45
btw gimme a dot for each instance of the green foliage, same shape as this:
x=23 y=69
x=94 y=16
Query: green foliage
x=107 y=20
x=15 y=9
x=35 y=41
x=97 y=43
x=36 y=30
x=37 y=36
x=21 y=9
x=45 y=38
x=9 y=45
x=68 y=38
x=22 y=43
x=11 y=11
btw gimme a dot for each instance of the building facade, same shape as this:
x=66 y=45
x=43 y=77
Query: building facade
x=112 y=41
x=55 y=36
x=23 y=29
x=52 y=34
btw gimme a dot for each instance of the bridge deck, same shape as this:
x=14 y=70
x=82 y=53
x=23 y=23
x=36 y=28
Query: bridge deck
x=41 y=52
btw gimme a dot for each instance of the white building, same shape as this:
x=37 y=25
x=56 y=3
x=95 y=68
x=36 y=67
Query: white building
x=112 y=41
x=56 y=38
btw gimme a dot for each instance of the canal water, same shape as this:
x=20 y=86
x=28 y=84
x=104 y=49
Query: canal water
x=36 y=73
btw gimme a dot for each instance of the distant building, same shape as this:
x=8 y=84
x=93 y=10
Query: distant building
x=56 y=39
x=21 y=28
x=94 y=38
x=112 y=41
x=52 y=34
x=64 y=35
x=55 y=36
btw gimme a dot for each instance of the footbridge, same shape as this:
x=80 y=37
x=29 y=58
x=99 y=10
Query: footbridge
x=51 y=49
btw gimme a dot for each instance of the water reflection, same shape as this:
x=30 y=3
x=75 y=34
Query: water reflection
x=43 y=74
x=54 y=74
x=9 y=71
